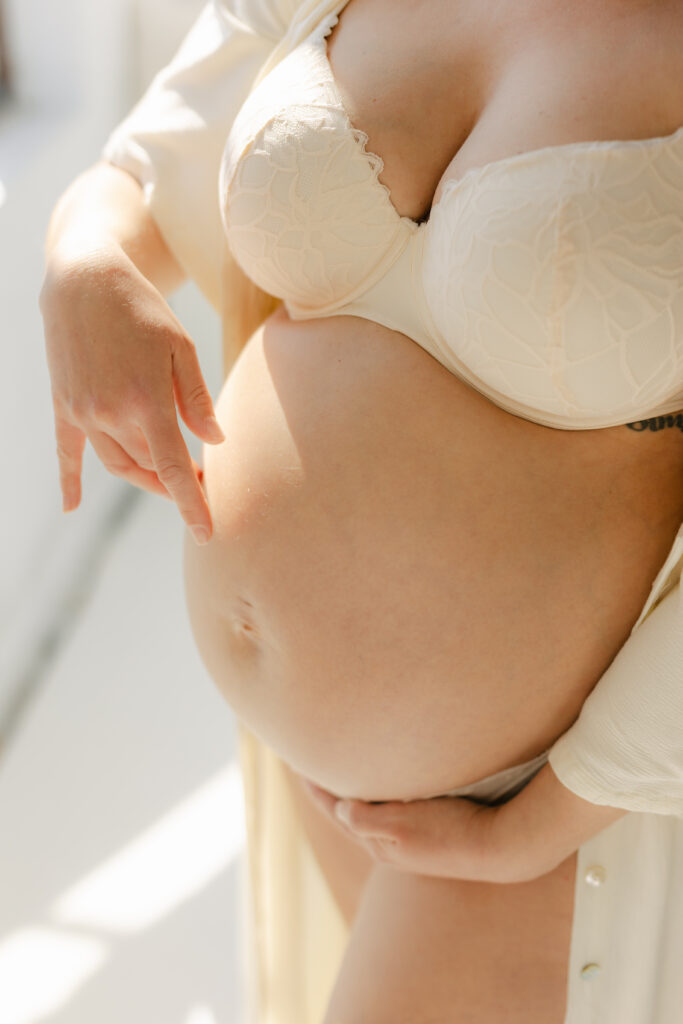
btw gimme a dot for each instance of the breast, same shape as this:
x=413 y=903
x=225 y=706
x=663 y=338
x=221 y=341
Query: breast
x=554 y=280
x=550 y=280
x=304 y=213
x=408 y=588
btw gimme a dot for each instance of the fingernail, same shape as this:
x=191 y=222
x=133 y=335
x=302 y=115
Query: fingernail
x=214 y=428
x=343 y=811
x=201 y=534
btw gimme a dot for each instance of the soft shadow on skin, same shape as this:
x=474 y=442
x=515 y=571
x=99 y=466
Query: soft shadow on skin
x=397 y=533
x=390 y=367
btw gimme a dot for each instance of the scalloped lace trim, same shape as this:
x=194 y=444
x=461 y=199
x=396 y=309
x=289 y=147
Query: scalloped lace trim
x=374 y=159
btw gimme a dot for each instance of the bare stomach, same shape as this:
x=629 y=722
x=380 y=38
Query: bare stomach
x=409 y=588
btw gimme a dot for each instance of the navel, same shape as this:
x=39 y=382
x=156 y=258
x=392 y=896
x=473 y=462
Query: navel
x=242 y=623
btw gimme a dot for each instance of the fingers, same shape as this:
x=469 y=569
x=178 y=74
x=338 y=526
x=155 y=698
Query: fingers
x=70 y=445
x=120 y=463
x=325 y=800
x=134 y=443
x=383 y=848
x=192 y=395
x=362 y=818
x=176 y=471
x=381 y=820
x=121 y=394
x=129 y=457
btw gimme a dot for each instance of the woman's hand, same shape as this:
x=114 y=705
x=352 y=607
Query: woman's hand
x=443 y=836
x=119 y=362
x=450 y=837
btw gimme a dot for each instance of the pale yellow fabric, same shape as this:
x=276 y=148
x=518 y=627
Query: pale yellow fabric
x=297 y=933
x=624 y=748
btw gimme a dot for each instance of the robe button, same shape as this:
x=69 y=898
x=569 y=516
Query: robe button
x=596 y=875
x=589 y=971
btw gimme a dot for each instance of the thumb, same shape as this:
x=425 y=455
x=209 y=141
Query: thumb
x=367 y=819
x=192 y=395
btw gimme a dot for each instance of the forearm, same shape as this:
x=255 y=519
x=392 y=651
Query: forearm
x=624 y=752
x=544 y=824
x=104 y=206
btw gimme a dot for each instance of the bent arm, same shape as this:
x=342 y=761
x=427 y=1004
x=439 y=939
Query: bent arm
x=172 y=140
x=623 y=753
x=105 y=206
x=154 y=192
x=626 y=747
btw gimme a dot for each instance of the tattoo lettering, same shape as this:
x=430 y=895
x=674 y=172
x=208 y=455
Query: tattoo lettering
x=658 y=423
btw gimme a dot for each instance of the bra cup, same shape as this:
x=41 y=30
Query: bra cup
x=301 y=210
x=559 y=282
x=551 y=281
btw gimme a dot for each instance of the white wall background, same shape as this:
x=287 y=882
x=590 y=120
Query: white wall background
x=121 y=829
x=77 y=66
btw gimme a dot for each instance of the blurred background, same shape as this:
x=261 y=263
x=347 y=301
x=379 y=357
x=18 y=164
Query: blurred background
x=122 y=872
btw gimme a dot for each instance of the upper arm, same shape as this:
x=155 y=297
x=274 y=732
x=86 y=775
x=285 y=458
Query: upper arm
x=172 y=140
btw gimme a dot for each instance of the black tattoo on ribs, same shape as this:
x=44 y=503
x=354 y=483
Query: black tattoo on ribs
x=658 y=423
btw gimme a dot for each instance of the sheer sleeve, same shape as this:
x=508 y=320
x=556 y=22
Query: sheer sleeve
x=172 y=140
x=626 y=747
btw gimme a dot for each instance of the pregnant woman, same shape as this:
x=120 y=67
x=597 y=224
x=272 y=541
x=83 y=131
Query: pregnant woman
x=446 y=240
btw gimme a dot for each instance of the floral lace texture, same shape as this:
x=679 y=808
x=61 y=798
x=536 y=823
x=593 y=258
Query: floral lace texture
x=551 y=280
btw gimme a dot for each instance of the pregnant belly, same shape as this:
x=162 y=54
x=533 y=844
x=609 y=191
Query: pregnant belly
x=407 y=587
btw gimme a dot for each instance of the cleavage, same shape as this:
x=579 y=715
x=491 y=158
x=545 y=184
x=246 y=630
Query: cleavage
x=393 y=90
x=506 y=90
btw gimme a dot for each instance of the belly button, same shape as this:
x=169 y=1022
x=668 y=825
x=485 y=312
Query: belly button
x=243 y=628
x=242 y=621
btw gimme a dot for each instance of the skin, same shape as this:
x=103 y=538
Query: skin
x=381 y=530
x=277 y=599
x=120 y=362
x=335 y=635
x=444 y=837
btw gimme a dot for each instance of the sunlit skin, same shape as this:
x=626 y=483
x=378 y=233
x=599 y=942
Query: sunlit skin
x=376 y=523
x=409 y=588
x=381 y=530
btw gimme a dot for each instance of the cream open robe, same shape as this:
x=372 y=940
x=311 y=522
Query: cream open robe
x=626 y=748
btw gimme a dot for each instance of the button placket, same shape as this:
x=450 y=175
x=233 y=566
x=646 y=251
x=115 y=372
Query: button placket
x=594 y=876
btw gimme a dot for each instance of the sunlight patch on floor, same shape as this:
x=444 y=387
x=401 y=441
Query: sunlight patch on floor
x=40 y=969
x=170 y=862
x=200 y=1015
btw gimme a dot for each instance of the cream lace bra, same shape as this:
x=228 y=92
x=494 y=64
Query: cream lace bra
x=551 y=281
